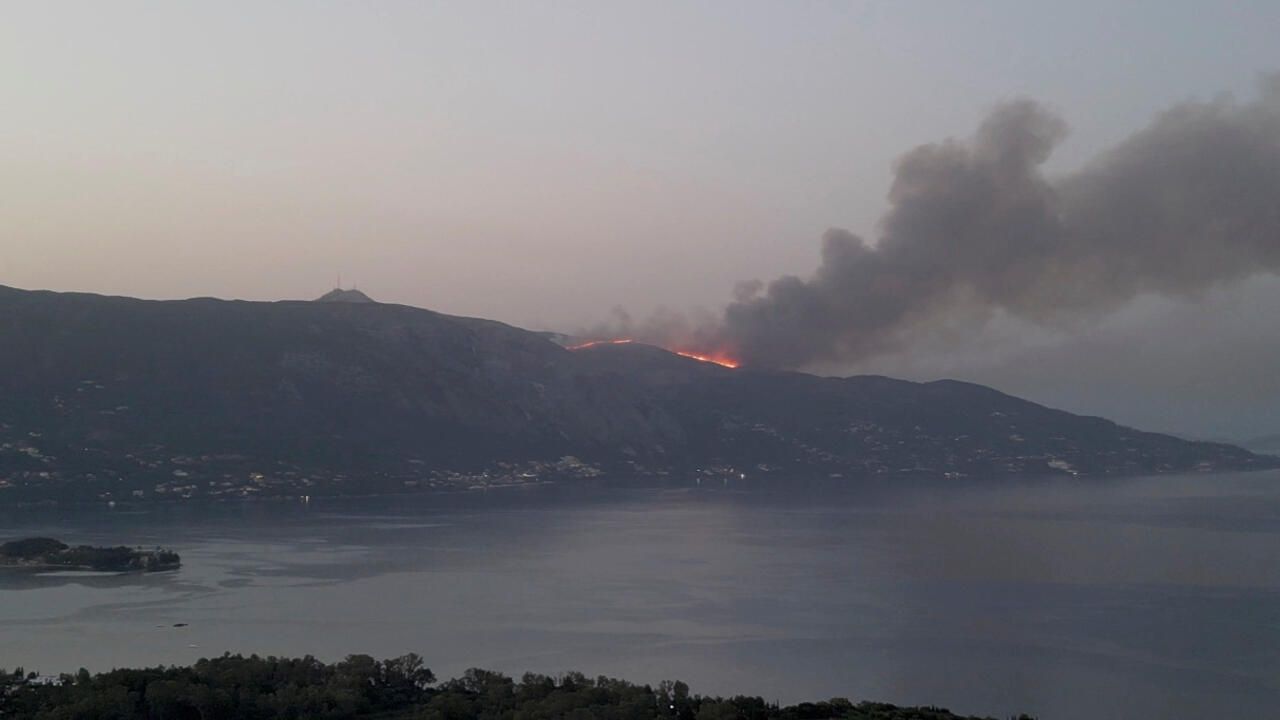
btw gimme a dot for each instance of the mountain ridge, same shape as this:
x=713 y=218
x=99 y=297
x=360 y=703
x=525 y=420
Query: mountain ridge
x=350 y=295
x=116 y=398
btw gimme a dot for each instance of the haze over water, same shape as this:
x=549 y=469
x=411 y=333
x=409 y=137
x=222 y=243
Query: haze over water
x=1156 y=597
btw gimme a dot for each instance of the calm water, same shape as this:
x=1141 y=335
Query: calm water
x=1150 y=597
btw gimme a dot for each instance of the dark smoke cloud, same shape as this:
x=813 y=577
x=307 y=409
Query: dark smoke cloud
x=1190 y=202
x=975 y=229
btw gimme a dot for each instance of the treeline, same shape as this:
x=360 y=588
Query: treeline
x=55 y=553
x=234 y=687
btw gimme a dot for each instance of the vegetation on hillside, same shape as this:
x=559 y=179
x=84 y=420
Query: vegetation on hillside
x=233 y=687
x=115 y=400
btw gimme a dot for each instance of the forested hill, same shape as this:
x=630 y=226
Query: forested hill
x=108 y=398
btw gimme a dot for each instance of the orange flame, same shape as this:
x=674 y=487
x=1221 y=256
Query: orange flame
x=717 y=358
x=720 y=360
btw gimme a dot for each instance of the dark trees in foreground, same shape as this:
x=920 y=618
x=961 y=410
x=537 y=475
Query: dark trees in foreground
x=233 y=687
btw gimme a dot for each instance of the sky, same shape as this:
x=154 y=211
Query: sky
x=542 y=163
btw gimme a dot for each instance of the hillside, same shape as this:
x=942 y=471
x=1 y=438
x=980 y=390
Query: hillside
x=116 y=398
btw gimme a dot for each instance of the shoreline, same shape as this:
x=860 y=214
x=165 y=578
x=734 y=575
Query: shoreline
x=617 y=483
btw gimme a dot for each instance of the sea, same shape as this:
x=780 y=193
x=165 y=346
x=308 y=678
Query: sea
x=1063 y=598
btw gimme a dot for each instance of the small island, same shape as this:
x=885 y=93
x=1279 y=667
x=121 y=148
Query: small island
x=47 y=553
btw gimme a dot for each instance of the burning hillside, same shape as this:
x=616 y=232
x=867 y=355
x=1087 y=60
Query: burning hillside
x=721 y=359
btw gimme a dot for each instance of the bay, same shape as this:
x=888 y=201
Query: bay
x=1067 y=598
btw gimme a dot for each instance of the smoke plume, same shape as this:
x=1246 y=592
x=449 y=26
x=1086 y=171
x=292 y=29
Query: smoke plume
x=974 y=227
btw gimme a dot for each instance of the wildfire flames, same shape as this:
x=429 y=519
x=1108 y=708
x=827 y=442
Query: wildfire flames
x=717 y=358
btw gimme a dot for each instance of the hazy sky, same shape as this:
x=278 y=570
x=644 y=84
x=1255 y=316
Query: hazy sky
x=539 y=163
